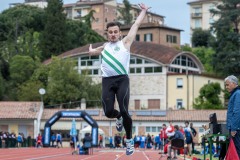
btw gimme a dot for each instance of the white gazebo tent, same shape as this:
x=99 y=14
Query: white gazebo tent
x=88 y=129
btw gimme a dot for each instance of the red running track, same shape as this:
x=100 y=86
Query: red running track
x=66 y=154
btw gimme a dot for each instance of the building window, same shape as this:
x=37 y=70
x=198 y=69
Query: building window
x=179 y=83
x=148 y=70
x=153 y=69
x=211 y=20
x=197 y=10
x=198 y=23
x=171 y=39
x=179 y=103
x=137 y=38
x=135 y=70
x=184 y=61
x=79 y=12
x=148 y=37
x=174 y=70
x=154 y=104
x=148 y=129
x=89 y=65
x=153 y=129
x=137 y=104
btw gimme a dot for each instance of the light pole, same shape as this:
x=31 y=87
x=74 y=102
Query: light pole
x=42 y=91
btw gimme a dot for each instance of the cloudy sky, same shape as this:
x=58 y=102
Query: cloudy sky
x=176 y=12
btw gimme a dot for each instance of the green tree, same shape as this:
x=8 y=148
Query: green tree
x=186 y=48
x=205 y=56
x=126 y=15
x=21 y=69
x=54 y=35
x=4 y=68
x=201 y=38
x=18 y=23
x=28 y=91
x=87 y=19
x=227 y=56
x=79 y=34
x=17 y=20
x=66 y=84
x=209 y=97
x=2 y=87
x=41 y=74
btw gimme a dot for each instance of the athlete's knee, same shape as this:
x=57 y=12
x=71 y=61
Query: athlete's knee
x=124 y=113
x=109 y=113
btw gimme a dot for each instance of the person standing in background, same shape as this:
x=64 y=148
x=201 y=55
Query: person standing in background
x=194 y=134
x=233 y=112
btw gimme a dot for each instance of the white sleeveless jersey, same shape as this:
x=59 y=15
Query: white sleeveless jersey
x=115 y=59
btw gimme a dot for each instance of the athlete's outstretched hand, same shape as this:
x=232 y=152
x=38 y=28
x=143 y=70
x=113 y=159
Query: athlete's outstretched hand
x=94 y=50
x=143 y=6
x=90 y=49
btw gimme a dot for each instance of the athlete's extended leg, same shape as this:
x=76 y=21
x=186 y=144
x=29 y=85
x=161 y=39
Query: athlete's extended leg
x=123 y=94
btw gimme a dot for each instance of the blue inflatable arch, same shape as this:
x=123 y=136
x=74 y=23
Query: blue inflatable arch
x=70 y=114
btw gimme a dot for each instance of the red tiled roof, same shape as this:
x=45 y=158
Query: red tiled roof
x=158 y=52
x=19 y=110
x=172 y=115
x=150 y=25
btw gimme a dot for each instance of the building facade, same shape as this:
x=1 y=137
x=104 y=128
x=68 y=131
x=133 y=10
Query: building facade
x=155 y=33
x=200 y=16
x=184 y=88
x=153 y=28
x=161 y=77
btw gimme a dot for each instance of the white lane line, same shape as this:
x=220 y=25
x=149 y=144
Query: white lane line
x=145 y=155
x=119 y=156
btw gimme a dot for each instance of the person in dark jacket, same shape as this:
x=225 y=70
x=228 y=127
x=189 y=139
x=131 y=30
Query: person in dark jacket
x=177 y=135
x=233 y=112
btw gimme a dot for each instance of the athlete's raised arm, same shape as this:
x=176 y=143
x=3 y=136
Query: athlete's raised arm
x=133 y=31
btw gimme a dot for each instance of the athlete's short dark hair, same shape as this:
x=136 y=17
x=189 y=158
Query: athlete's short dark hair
x=112 y=24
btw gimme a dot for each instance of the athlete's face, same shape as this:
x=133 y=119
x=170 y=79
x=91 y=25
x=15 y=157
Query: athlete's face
x=113 y=33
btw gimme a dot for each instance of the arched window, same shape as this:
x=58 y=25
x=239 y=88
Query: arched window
x=183 y=64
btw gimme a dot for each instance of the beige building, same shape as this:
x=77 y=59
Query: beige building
x=183 y=89
x=21 y=117
x=200 y=16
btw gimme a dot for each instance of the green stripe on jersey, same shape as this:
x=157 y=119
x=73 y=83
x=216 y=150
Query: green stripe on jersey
x=116 y=61
x=110 y=64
